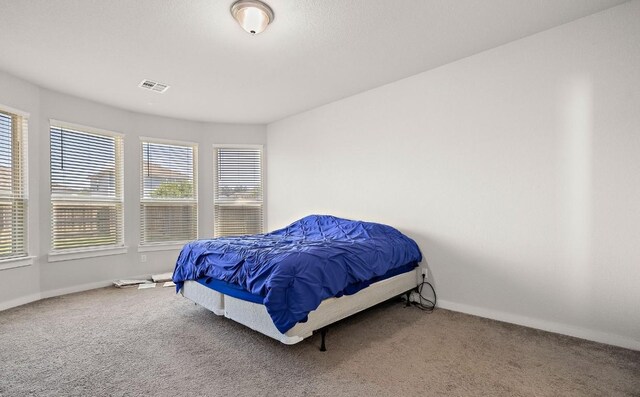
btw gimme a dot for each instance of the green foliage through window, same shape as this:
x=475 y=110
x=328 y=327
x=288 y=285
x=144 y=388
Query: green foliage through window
x=183 y=189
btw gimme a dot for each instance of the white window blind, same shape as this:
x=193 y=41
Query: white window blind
x=13 y=200
x=169 y=201
x=238 y=192
x=86 y=188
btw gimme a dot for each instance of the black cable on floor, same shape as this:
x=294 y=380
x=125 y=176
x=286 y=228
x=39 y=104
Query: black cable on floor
x=428 y=304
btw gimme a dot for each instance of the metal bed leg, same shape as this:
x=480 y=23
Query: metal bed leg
x=408 y=294
x=323 y=334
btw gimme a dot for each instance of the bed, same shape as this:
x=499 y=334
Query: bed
x=294 y=281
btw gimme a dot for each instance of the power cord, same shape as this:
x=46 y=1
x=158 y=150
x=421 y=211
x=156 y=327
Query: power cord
x=428 y=304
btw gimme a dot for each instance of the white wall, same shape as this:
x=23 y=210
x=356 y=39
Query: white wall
x=45 y=278
x=517 y=171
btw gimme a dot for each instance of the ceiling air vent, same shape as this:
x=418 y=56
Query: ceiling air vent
x=153 y=86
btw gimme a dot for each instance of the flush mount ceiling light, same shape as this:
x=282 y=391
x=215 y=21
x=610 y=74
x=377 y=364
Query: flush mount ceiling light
x=252 y=15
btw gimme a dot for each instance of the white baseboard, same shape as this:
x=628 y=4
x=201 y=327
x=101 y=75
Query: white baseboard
x=559 y=328
x=74 y=289
x=61 y=291
x=23 y=300
x=564 y=329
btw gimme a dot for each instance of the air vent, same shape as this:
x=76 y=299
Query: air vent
x=153 y=86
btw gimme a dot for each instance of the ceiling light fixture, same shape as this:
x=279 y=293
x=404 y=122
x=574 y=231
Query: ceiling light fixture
x=252 y=15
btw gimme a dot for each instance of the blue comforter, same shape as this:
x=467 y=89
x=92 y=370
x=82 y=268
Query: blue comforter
x=297 y=267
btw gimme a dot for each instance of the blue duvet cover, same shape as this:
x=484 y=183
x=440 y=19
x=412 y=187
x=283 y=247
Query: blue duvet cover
x=297 y=267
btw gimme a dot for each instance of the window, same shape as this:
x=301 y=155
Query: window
x=238 y=192
x=86 y=188
x=13 y=198
x=169 y=199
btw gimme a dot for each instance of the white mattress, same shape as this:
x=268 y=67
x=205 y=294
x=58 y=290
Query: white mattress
x=255 y=316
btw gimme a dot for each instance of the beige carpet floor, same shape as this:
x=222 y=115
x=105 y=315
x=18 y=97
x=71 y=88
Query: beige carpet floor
x=129 y=342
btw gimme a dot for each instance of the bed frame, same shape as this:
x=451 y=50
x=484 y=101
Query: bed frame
x=255 y=316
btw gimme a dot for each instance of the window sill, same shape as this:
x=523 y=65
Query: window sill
x=80 y=254
x=13 y=263
x=161 y=247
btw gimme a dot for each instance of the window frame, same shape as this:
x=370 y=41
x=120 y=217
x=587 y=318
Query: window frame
x=260 y=203
x=24 y=259
x=55 y=255
x=174 y=244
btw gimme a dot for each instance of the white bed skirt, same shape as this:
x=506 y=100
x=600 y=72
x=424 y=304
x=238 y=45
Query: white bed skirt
x=255 y=316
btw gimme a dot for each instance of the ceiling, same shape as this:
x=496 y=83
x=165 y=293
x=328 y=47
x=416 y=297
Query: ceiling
x=315 y=52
